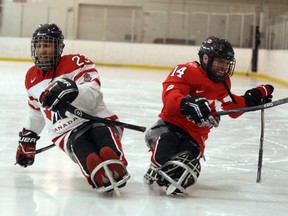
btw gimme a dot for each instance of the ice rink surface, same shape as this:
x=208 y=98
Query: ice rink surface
x=227 y=185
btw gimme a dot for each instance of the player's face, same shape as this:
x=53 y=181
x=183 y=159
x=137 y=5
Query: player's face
x=220 y=67
x=44 y=51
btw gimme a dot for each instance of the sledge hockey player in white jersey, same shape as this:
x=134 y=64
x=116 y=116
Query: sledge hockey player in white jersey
x=53 y=82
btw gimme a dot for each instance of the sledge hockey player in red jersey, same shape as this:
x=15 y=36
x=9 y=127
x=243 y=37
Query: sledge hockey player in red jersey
x=53 y=82
x=191 y=94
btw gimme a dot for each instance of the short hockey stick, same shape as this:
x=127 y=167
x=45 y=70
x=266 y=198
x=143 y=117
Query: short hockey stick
x=260 y=155
x=70 y=108
x=254 y=108
x=44 y=148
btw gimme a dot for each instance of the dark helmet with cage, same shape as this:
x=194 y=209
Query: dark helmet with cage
x=47 y=34
x=214 y=47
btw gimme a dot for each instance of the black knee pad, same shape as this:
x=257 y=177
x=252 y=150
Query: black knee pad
x=167 y=147
x=187 y=144
x=99 y=131
x=104 y=136
x=74 y=144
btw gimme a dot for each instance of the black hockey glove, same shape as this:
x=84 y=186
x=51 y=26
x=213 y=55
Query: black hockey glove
x=57 y=94
x=197 y=109
x=260 y=94
x=27 y=148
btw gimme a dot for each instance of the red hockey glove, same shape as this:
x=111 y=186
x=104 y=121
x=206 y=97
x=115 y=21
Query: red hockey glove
x=58 y=93
x=197 y=109
x=27 y=148
x=260 y=94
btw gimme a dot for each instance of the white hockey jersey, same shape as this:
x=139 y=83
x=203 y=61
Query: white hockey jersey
x=90 y=98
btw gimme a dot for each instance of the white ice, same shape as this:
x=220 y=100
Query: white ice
x=227 y=185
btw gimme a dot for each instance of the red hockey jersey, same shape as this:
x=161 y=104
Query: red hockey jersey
x=190 y=79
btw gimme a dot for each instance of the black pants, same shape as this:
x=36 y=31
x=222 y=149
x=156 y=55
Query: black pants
x=174 y=141
x=90 y=139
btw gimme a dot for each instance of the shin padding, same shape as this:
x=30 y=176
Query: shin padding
x=180 y=172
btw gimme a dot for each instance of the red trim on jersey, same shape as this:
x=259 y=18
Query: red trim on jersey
x=94 y=80
x=97 y=81
x=67 y=64
x=114 y=117
x=32 y=98
x=61 y=143
x=83 y=72
x=33 y=107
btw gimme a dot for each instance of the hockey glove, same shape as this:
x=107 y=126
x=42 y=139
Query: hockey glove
x=260 y=94
x=197 y=109
x=27 y=148
x=57 y=94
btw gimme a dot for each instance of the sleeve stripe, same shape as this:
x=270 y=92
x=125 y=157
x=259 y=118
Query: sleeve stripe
x=33 y=107
x=83 y=72
x=33 y=99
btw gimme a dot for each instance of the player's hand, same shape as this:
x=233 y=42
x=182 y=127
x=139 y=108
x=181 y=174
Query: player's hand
x=57 y=94
x=27 y=148
x=197 y=108
x=260 y=94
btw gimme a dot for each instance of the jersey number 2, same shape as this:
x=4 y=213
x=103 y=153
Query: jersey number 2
x=79 y=61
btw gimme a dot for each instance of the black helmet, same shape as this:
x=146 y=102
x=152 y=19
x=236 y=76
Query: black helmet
x=214 y=47
x=48 y=33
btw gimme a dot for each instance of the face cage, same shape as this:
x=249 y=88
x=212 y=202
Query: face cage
x=212 y=75
x=53 y=59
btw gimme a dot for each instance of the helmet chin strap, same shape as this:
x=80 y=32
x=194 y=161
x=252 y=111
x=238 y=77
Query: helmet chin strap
x=229 y=92
x=44 y=72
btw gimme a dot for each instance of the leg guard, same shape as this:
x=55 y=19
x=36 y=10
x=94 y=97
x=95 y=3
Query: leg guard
x=107 y=172
x=179 y=173
x=166 y=140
